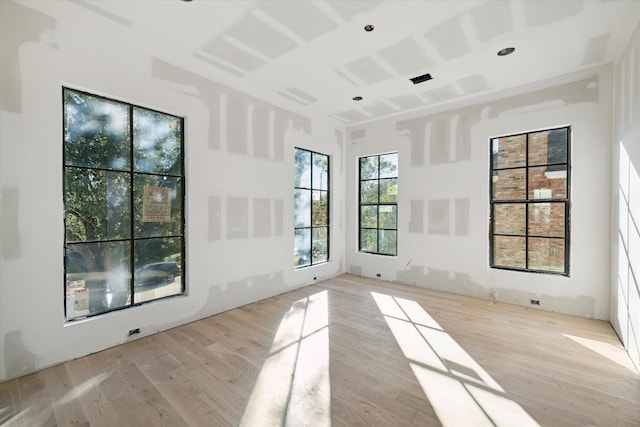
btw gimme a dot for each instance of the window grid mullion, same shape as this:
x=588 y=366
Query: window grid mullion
x=131 y=208
x=526 y=205
x=360 y=204
x=378 y=210
x=311 y=211
x=311 y=214
x=507 y=168
x=567 y=210
x=491 y=204
x=127 y=171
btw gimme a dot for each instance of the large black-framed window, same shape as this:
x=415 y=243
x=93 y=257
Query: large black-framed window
x=530 y=182
x=311 y=208
x=378 y=204
x=124 y=188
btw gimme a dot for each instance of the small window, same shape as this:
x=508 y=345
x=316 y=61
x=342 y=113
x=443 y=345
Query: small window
x=530 y=201
x=378 y=196
x=124 y=204
x=311 y=208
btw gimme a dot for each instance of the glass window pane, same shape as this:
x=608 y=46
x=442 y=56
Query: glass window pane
x=302 y=247
x=302 y=208
x=369 y=167
x=320 y=172
x=303 y=168
x=546 y=254
x=509 y=184
x=97 y=205
x=388 y=216
x=158 y=268
x=320 y=206
x=545 y=183
x=509 y=218
x=388 y=190
x=538 y=234
x=509 y=251
x=96 y=131
x=311 y=208
x=319 y=249
x=389 y=165
x=538 y=148
x=156 y=142
x=546 y=219
x=157 y=206
x=369 y=240
x=378 y=184
x=368 y=191
x=558 y=146
x=548 y=147
x=509 y=151
x=369 y=216
x=100 y=224
x=388 y=242
x=97 y=277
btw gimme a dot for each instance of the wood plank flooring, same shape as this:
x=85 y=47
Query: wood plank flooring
x=349 y=351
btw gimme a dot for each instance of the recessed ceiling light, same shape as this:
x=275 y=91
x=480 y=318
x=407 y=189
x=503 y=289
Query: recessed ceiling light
x=357 y=98
x=506 y=51
x=368 y=28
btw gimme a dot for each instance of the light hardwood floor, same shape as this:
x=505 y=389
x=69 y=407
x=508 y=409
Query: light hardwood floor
x=349 y=351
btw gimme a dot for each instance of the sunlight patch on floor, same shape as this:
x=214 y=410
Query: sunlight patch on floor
x=80 y=390
x=610 y=351
x=37 y=415
x=460 y=391
x=293 y=387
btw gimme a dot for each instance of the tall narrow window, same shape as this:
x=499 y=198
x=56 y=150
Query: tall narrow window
x=529 y=189
x=311 y=208
x=379 y=204
x=124 y=204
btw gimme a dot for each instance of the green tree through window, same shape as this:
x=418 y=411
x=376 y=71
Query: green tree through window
x=379 y=204
x=311 y=208
x=124 y=204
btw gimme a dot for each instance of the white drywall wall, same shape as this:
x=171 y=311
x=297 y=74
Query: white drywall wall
x=239 y=169
x=443 y=193
x=625 y=232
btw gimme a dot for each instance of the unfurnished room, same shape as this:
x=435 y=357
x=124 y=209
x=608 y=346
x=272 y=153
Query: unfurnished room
x=320 y=213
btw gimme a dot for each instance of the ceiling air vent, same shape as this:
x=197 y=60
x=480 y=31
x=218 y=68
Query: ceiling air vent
x=420 y=79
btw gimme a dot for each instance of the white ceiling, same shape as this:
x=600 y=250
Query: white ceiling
x=314 y=56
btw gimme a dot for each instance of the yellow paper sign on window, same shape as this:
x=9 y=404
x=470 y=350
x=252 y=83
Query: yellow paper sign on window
x=156 y=206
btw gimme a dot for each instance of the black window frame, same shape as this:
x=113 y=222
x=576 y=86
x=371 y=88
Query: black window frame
x=311 y=227
x=130 y=170
x=377 y=204
x=552 y=166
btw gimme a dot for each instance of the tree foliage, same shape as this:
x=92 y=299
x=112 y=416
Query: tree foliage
x=311 y=207
x=112 y=151
x=378 y=203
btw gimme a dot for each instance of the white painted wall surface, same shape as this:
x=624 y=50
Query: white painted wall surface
x=239 y=166
x=444 y=167
x=625 y=233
